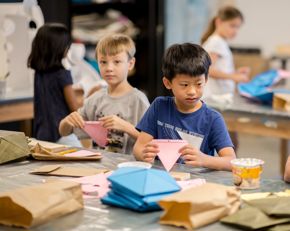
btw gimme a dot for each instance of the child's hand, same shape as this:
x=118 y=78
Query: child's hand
x=150 y=152
x=75 y=120
x=192 y=156
x=114 y=122
x=240 y=77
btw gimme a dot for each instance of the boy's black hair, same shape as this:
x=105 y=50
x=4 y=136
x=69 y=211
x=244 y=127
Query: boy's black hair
x=49 y=46
x=187 y=58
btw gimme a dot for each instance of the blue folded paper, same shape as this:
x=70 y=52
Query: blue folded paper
x=259 y=87
x=139 y=189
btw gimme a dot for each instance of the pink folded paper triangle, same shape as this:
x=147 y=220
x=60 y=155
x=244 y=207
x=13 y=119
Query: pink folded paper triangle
x=168 y=151
x=97 y=132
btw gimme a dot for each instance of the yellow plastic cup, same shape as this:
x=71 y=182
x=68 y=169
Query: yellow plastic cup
x=247 y=172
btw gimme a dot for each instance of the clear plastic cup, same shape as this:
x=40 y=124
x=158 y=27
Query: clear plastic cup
x=247 y=172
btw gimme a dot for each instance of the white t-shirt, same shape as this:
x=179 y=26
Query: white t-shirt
x=216 y=44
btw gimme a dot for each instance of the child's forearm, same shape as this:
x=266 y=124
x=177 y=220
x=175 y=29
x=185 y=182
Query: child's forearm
x=218 y=162
x=217 y=74
x=132 y=131
x=137 y=151
x=64 y=128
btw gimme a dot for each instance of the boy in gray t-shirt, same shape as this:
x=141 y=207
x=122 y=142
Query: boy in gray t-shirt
x=120 y=107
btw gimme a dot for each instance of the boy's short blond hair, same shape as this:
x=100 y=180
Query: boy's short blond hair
x=114 y=44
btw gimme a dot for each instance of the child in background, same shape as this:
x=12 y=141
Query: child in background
x=120 y=107
x=222 y=73
x=54 y=97
x=185 y=70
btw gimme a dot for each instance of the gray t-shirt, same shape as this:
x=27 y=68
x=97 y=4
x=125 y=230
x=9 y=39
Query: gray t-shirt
x=130 y=107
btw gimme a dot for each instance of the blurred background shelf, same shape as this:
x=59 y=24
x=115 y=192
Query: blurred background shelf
x=147 y=18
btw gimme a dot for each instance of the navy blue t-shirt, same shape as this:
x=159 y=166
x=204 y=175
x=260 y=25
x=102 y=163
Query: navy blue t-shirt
x=204 y=126
x=50 y=106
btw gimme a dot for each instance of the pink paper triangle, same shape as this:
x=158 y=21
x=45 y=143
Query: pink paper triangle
x=97 y=132
x=168 y=151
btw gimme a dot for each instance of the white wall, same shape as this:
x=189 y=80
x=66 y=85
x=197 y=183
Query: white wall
x=267 y=24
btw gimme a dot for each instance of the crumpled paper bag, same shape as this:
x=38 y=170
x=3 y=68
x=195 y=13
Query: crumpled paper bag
x=13 y=145
x=199 y=206
x=34 y=205
x=272 y=206
x=39 y=152
x=253 y=218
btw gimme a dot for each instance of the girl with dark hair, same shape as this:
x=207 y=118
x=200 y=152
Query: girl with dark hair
x=54 y=97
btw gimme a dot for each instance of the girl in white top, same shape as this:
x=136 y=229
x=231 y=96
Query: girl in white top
x=223 y=75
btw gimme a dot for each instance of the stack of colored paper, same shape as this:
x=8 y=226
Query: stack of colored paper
x=139 y=189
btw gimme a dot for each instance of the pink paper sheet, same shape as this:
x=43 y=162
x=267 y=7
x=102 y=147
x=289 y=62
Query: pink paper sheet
x=168 y=154
x=83 y=153
x=97 y=132
x=185 y=184
x=96 y=185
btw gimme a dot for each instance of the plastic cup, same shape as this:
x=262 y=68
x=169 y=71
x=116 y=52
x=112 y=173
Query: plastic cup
x=138 y=164
x=247 y=172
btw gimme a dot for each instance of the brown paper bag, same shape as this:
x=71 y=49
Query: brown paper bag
x=253 y=218
x=58 y=170
x=13 y=145
x=34 y=205
x=199 y=206
x=281 y=102
x=41 y=153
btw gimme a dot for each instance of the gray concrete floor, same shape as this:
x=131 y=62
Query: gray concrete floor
x=265 y=148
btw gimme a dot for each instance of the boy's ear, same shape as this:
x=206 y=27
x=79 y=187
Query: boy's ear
x=132 y=63
x=166 y=83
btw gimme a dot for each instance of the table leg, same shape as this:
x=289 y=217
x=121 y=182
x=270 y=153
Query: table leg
x=283 y=154
x=26 y=127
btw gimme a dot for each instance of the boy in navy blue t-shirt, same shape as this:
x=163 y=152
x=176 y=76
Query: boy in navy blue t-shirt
x=185 y=116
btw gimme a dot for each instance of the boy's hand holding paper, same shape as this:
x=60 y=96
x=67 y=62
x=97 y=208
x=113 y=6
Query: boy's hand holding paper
x=192 y=156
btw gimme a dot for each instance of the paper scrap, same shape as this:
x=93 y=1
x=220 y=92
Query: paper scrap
x=83 y=153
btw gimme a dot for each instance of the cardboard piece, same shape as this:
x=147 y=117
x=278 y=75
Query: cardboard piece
x=13 y=146
x=41 y=153
x=180 y=175
x=58 y=170
x=199 y=206
x=281 y=101
x=139 y=189
x=169 y=154
x=25 y=206
x=97 y=132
